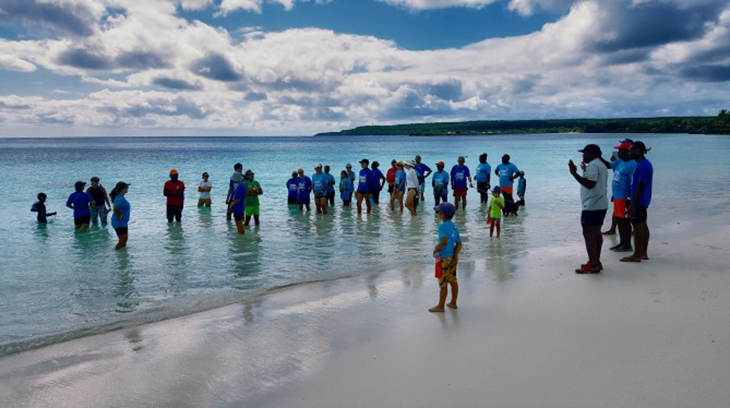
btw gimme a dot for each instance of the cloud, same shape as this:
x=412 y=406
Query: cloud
x=13 y=63
x=76 y=17
x=172 y=83
x=164 y=72
x=438 y=4
x=218 y=67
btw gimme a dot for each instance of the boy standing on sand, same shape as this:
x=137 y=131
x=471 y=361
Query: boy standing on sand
x=495 y=211
x=447 y=250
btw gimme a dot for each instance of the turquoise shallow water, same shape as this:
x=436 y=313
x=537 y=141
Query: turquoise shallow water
x=57 y=284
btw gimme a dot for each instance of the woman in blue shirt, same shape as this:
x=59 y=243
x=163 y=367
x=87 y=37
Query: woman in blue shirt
x=122 y=210
x=399 y=187
x=483 y=177
x=346 y=188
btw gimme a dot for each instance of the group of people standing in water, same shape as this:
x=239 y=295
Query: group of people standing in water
x=406 y=181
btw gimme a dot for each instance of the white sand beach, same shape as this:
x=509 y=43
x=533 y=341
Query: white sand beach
x=528 y=333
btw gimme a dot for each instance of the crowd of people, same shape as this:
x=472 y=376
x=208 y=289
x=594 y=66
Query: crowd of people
x=406 y=181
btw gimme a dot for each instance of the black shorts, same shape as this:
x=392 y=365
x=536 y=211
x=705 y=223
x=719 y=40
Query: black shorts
x=121 y=231
x=593 y=218
x=639 y=215
x=85 y=220
x=391 y=188
x=238 y=217
x=483 y=187
x=291 y=200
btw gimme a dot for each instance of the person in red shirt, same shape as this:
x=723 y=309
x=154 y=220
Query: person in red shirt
x=175 y=192
x=390 y=177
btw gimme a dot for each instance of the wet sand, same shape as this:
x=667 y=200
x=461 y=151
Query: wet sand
x=528 y=333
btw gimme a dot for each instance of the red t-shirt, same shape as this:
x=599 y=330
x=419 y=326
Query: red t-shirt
x=175 y=187
x=391 y=175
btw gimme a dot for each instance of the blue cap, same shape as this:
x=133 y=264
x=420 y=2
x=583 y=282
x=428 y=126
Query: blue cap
x=445 y=208
x=497 y=189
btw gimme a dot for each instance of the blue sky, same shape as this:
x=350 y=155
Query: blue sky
x=297 y=67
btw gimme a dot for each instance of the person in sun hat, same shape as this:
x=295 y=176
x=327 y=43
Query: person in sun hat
x=174 y=190
x=412 y=191
x=122 y=210
x=319 y=186
x=440 y=184
x=593 y=184
x=446 y=253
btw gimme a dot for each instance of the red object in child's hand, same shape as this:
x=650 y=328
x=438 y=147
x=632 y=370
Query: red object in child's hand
x=438 y=268
x=489 y=220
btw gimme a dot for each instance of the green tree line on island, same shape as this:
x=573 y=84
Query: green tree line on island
x=719 y=124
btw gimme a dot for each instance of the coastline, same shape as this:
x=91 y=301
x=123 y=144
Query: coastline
x=528 y=333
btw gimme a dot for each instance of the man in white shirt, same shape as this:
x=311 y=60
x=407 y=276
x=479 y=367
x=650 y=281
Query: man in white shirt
x=204 y=189
x=593 y=196
x=412 y=183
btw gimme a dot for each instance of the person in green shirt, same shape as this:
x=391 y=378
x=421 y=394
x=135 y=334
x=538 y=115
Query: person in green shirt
x=253 y=191
x=495 y=211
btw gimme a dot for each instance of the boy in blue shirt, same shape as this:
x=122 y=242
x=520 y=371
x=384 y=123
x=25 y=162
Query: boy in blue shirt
x=40 y=208
x=346 y=188
x=238 y=206
x=447 y=251
x=81 y=203
x=440 y=184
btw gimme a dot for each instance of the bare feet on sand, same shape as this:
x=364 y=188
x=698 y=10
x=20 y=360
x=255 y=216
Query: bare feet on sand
x=436 y=309
x=451 y=305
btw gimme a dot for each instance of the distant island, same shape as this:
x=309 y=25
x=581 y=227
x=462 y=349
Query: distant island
x=719 y=124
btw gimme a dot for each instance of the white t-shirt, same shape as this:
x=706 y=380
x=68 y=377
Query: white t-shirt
x=205 y=194
x=411 y=179
x=595 y=198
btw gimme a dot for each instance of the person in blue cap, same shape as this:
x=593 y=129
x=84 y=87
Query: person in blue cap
x=447 y=251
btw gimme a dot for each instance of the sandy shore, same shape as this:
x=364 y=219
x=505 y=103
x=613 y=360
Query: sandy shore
x=529 y=333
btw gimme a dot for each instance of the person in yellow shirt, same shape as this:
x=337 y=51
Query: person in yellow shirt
x=495 y=211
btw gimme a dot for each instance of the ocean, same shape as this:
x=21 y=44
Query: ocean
x=57 y=284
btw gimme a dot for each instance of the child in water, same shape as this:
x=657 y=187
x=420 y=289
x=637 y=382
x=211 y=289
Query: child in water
x=40 y=208
x=346 y=188
x=495 y=211
x=521 y=187
x=447 y=250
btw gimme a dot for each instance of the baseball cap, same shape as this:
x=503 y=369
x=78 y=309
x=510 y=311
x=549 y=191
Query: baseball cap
x=349 y=166
x=591 y=148
x=95 y=178
x=173 y=171
x=497 y=189
x=80 y=184
x=445 y=208
x=440 y=164
x=318 y=166
x=627 y=140
x=623 y=145
x=366 y=161
x=394 y=161
x=122 y=185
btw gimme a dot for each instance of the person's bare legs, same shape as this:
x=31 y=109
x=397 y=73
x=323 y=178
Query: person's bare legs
x=239 y=227
x=359 y=202
x=400 y=200
x=457 y=199
x=323 y=205
x=624 y=231
x=497 y=224
x=409 y=202
x=614 y=222
x=248 y=219
x=256 y=219
x=442 y=300
x=463 y=203
x=392 y=200
x=454 y=295
x=122 y=242
x=491 y=228
x=318 y=204
x=367 y=202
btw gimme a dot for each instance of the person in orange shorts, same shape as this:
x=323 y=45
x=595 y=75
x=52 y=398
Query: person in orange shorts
x=507 y=173
x=621 y=190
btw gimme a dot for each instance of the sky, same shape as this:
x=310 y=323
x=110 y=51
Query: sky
x=299 y=67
